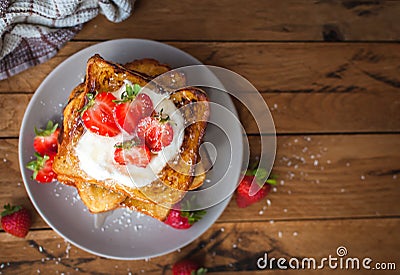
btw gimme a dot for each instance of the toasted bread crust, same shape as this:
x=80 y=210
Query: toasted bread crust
x=102 y=196
x=147 y=66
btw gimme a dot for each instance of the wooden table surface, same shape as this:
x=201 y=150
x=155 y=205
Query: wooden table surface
x=330 y=73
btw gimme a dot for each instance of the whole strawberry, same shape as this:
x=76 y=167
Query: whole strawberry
x=46 y=141
x=183 y=219
x=15 y=220
x=243 y=198
x=187 y=267
x=42 y=169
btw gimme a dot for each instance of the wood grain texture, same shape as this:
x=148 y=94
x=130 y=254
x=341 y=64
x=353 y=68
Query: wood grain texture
x=255 y=20
x=272 y=67
x=11 y=114
x=320 y=177
x=225 y=248
x=336 y=107
x=325 y=112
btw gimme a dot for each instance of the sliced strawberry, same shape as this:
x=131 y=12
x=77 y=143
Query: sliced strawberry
x=42 y=169
x=156 y=132
x=128 y=113
x=46 y=141
x=15 y=220
x=183 y=219
x=131 y=153
x=97 y=115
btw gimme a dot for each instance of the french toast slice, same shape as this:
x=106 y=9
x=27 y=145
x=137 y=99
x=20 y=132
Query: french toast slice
x=104 y=196
x=147 y=66
x=99 y=199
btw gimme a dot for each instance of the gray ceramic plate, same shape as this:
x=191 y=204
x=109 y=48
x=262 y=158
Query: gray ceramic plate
x=124 y=234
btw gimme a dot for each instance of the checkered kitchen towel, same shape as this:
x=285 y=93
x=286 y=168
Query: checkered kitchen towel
x=33 y=31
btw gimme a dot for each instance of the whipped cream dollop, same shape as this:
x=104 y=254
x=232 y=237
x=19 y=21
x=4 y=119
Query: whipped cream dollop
x=96 y=153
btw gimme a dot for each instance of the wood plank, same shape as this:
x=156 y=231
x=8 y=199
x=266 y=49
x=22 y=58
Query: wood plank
x=223 y=249
x=256 y=20
x=320 y=177
x=330 y=177
x=12 y=109
x=272 y=67
x=325 y=112
x=306 y=67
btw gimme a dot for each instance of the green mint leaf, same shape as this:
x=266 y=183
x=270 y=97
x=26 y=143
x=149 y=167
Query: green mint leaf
x=129 y=90
x=136 y=89
x=89 y=102
x=129 y=94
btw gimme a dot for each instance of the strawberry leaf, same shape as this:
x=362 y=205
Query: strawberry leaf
x=249 y=173
x=200 y=271
x=8 y=210
x=162 y=118
x=193 y=216
x=50 y=128
x=36 y=165
x=260 y=174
